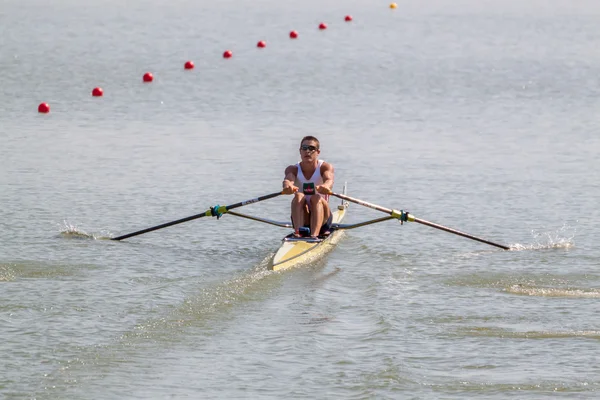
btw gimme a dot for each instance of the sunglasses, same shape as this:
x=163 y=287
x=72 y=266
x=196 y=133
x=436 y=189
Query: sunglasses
x=309 y=148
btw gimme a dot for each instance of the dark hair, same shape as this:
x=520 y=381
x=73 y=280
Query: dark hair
x=311 y=138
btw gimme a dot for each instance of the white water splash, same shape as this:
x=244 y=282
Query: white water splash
x=562 y=238
x=71 y=231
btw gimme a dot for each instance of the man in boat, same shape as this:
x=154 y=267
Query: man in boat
x=310 y=181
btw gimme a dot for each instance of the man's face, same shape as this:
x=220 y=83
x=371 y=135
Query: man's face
x=309 y=150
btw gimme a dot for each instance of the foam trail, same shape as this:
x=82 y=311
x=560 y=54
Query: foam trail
x=6 y=273
x=553 y=292
x=481 y=331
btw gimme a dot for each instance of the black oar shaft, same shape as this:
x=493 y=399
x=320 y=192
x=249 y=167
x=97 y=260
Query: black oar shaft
x=421 y=221
x=204 y=214
x=154 y=228
x=459 y=233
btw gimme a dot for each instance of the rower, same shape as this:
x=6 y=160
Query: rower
x=311 y=182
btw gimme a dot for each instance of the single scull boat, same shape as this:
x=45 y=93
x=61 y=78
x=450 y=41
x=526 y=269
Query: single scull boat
x=298 y=251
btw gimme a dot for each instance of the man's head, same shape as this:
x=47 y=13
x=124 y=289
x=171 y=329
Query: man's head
x=309 y=148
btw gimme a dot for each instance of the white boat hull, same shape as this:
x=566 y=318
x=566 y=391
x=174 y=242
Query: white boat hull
x=295 y=252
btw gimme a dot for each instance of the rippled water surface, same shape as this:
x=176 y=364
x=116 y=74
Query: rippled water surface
x=481 y=116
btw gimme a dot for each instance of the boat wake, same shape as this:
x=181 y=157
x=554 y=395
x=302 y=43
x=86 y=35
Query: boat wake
x=207 y=308
x=70 y=231
x=562 y=238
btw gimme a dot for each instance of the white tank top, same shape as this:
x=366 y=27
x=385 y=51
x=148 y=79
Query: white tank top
x=308 y=186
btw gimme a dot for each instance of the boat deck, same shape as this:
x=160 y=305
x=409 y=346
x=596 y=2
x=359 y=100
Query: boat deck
x=300 y=251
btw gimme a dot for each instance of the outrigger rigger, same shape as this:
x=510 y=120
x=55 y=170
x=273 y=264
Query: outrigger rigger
x=295 y=251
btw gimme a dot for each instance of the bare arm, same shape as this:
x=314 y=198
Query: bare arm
x=327 y=173
x=290 y=178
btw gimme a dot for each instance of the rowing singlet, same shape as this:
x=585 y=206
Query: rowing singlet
x=307 y=186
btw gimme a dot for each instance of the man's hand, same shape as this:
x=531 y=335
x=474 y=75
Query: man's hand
x=323 y=189
x=289 y=188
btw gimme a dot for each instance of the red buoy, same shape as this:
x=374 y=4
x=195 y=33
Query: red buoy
x=227 y=54
x=97 y=92
x=348 y=18
x=44 y=108
x=293 y=35
x=188 y=65
x=148 y=77
x=262 y=44
x=322 y=26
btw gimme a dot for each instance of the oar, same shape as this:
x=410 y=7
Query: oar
x=405 y=216
x=215 y=211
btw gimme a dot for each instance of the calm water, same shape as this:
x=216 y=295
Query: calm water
x=482 y=116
